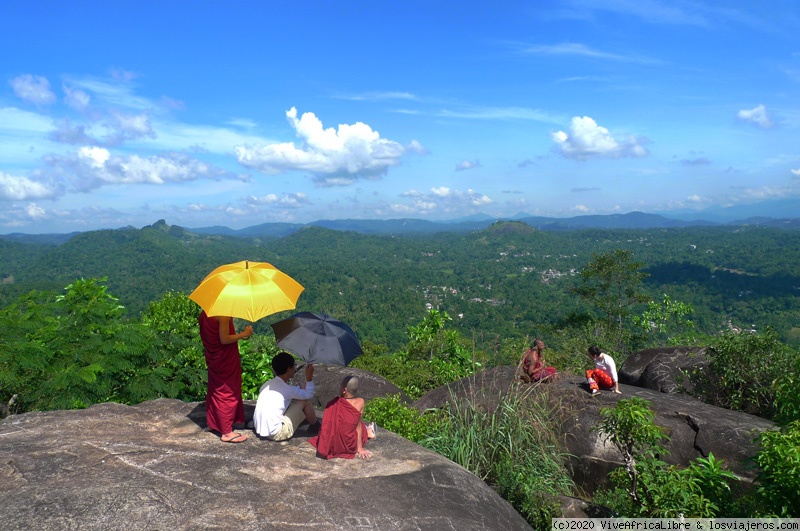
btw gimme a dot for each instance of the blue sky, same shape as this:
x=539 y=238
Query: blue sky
x=239 y=113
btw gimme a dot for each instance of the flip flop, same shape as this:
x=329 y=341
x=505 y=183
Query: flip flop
x=238 y=439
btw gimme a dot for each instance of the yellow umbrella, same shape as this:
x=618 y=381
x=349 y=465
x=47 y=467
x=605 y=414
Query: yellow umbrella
x=247 y=290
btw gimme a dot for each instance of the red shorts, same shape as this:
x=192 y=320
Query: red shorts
x=602 y=379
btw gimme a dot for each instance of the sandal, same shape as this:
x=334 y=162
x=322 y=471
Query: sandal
x=237 y=439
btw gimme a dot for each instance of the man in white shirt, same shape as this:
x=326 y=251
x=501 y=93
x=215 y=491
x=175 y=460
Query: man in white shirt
x=281 y=407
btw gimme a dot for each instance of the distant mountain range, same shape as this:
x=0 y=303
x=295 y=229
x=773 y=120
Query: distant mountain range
x=631 y=220
x=786 y=215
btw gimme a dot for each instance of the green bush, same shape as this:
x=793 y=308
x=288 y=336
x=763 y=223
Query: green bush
x=256 y=353
x=514 y=448
x=173 y=320
x=779 y=474
x=392 y=414
x=74 y=350
x=787 y=394
x=745 y=369
x=414 y=376
x=655 y=489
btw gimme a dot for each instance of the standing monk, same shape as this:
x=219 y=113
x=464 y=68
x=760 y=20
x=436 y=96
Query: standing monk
x=224 y=406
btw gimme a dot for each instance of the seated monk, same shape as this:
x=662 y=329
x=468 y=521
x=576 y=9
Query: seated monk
x=343 y=433
x=533 y=364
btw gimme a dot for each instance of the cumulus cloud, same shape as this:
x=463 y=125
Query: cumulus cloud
x=441 y=200
x=335 y=157
x=118 y=128
x=587 y=139
x=757 y=115
x=34 y=211
x=92 y=167
x=128 y=127
x=467 y=165
x=14 y=188
x=796 y=173
x=286 y=200
x=33 y=89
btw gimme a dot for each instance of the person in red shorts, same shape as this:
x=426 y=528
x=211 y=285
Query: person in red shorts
x=604 y=374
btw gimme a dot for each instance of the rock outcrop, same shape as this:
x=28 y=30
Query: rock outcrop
x=328 y=381
x=695 y=429
x=153 y=466
x=667 y=369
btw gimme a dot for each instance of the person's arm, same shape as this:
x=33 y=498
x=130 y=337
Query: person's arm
x=613 y=366
x=361 y=452
x=225 y=337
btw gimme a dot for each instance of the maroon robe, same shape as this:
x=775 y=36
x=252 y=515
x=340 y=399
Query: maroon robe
x=338 y=436
x=224 y=406
x=534 y=367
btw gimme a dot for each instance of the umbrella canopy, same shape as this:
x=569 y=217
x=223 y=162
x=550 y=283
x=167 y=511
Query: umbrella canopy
x=317 y=338
x=247 y=290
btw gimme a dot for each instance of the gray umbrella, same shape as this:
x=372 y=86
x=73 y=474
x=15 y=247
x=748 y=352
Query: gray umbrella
x=317 y=338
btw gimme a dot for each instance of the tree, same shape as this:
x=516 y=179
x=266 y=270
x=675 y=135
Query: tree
x=76 y=349
x=661 y=317
x=655 y=489
x=611 y=283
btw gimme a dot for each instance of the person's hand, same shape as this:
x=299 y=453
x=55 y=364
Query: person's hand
x=309 y=372
x=248 y=331
x=363 y=454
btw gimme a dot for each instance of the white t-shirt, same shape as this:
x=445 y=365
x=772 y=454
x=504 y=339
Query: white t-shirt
x=607 y=365
x=273 y=399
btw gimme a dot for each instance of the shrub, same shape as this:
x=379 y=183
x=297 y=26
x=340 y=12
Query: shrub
x=779 y=475
x=745 y=368
x=173 y=320
x=655 y=489
x=256 y=353
x=392 y=414
x=76 y=349
x=514 y=448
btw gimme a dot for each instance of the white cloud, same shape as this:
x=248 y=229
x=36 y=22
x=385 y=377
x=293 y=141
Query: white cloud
x=92 y=167
x=442 y=200
x=15 y=188
x=467 y=165
x=587 y=139
x=286 y=200
x=417 y=148
x=379 y=96
x=97 y=156
x=335 y=157
x=118 y=94
x=34 y=211
x=130 y=126
x=757 y=115
x=796 y=173
x=76 y=98
x=501 y=113
x=33 y=89
x=580 y=208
